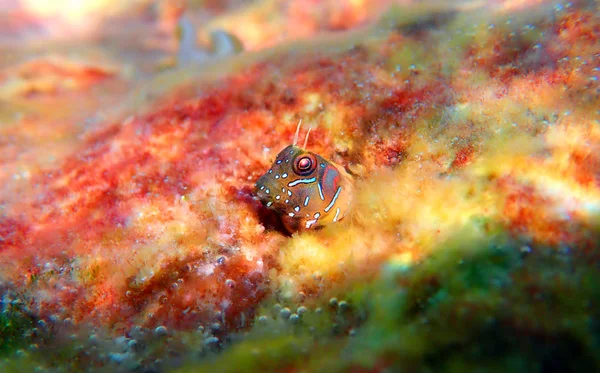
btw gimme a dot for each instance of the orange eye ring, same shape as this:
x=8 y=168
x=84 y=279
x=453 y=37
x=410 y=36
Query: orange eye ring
x=305 y=164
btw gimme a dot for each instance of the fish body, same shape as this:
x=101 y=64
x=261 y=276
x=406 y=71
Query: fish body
x=305 y=189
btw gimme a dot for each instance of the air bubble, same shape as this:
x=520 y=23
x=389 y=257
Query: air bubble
x=215 y=327
x=132 y=345
x=160 y=331
x=285 y=313
x=211 y=341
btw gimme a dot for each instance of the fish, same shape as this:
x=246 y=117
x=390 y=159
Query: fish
x=305 y=189
x=222 y=44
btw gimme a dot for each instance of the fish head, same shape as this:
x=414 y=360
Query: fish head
x=304 y=188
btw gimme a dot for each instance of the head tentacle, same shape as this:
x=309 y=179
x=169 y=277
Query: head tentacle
x=306 y=138
x=297 y=132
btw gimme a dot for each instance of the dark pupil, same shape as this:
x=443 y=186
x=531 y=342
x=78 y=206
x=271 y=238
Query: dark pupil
x=304 y=164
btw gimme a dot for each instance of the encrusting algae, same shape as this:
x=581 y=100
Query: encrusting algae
x=463 y=153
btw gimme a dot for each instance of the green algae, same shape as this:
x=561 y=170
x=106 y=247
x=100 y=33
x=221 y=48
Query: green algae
x=15 y=325
x=22 y=364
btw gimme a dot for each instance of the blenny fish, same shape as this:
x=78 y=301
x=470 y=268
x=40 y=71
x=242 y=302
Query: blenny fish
x=305 y=189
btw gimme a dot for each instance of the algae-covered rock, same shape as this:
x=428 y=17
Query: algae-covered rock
x=494 y=305
x=131 y=238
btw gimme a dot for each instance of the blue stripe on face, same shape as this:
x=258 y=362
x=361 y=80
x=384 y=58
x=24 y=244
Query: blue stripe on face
x=302 y=181
x=335 y=197
x=321 y=192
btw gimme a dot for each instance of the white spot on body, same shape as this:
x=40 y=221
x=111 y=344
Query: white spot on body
x=277 y=197
x=297 y=208
x=284 y=175
x=276 y=177
x=337 y=213
x=291 y=214
x=306 y=200
x=310 y=223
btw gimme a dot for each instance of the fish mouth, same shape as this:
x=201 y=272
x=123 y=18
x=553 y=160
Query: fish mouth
x=262 y=189
x=264 y=199
x=260 y=193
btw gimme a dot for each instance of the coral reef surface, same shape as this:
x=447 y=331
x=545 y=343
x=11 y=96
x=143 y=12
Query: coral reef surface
x=131 y=238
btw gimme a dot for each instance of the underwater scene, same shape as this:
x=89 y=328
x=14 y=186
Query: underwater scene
x=299 y=186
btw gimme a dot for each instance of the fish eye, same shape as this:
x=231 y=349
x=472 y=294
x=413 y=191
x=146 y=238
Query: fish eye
x=305 y=164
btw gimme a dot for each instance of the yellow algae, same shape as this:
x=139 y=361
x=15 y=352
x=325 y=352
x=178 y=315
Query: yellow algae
x=428 y=209
x=333 y=253
x=403 y=260
x=92 y=270
x=174 y=227
x=416 y=205
x=552 y=175
x=147 y=217
x=307 y=254
x=406 y=207
x=313 y=102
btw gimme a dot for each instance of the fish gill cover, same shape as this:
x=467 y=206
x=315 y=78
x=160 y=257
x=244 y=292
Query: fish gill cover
x=132 y=239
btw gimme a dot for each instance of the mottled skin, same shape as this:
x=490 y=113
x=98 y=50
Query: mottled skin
x=305 y=189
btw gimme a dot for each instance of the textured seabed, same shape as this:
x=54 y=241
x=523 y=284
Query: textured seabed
x=131 y=240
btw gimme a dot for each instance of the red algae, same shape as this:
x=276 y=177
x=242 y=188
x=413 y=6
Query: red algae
x=153 y=159
x=463 y=156
x=184 y=287
x=13 y=233
x=532 y=214
x=50 y=77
